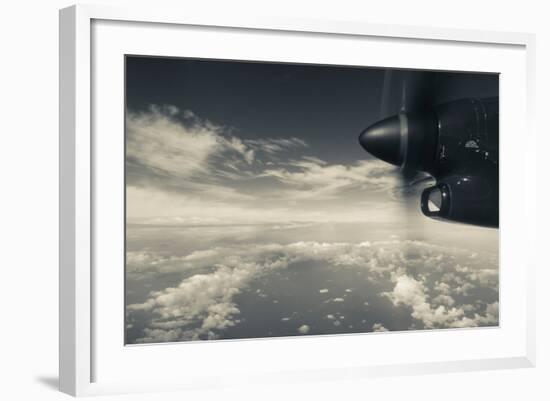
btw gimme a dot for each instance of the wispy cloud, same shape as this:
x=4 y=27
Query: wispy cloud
x=273 y=146
x=183 y=167
x=166 y=146
x=224 y=206
x=311 y=177
x=179 y=144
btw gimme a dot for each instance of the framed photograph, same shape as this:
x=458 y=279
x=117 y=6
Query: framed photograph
x=266 y=200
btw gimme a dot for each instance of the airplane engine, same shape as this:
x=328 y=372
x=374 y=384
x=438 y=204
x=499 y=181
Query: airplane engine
x=457 y=144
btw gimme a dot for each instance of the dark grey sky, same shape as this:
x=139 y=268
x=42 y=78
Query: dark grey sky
x=322 y=105
x=327 y=106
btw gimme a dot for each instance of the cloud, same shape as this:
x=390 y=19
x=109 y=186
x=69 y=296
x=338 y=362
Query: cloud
x=438 y=312
x=211 y=205
x=182 y=168
x=411 y=292
x=272 y=146
x=165 y=146
x=177 y=150
x=169 y=143
x=311 y=177
x=378 y=327
x=206 y=298
x=142 y=262
x=491 y=315
x=203 y=305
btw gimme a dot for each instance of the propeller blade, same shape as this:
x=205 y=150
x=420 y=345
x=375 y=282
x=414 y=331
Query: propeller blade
x=385 y=110
x=417 y=91
x=403 y=91
x=412 y=185
x=416 y=96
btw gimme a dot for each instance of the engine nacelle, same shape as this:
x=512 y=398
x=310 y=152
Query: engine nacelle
x=455 y=142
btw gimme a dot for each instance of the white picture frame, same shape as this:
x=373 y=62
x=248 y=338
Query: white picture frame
x=80 y=348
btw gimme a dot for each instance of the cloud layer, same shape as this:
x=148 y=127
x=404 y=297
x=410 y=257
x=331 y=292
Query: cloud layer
x=423 y=279
x=190 y=174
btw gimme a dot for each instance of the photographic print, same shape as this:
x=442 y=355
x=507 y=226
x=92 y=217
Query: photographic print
x=274 y=199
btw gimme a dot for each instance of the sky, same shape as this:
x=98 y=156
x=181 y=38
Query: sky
x=246 y=186
x=259 y=141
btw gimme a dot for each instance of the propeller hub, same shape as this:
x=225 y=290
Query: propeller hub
x=408 y=140
x=384 y=140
